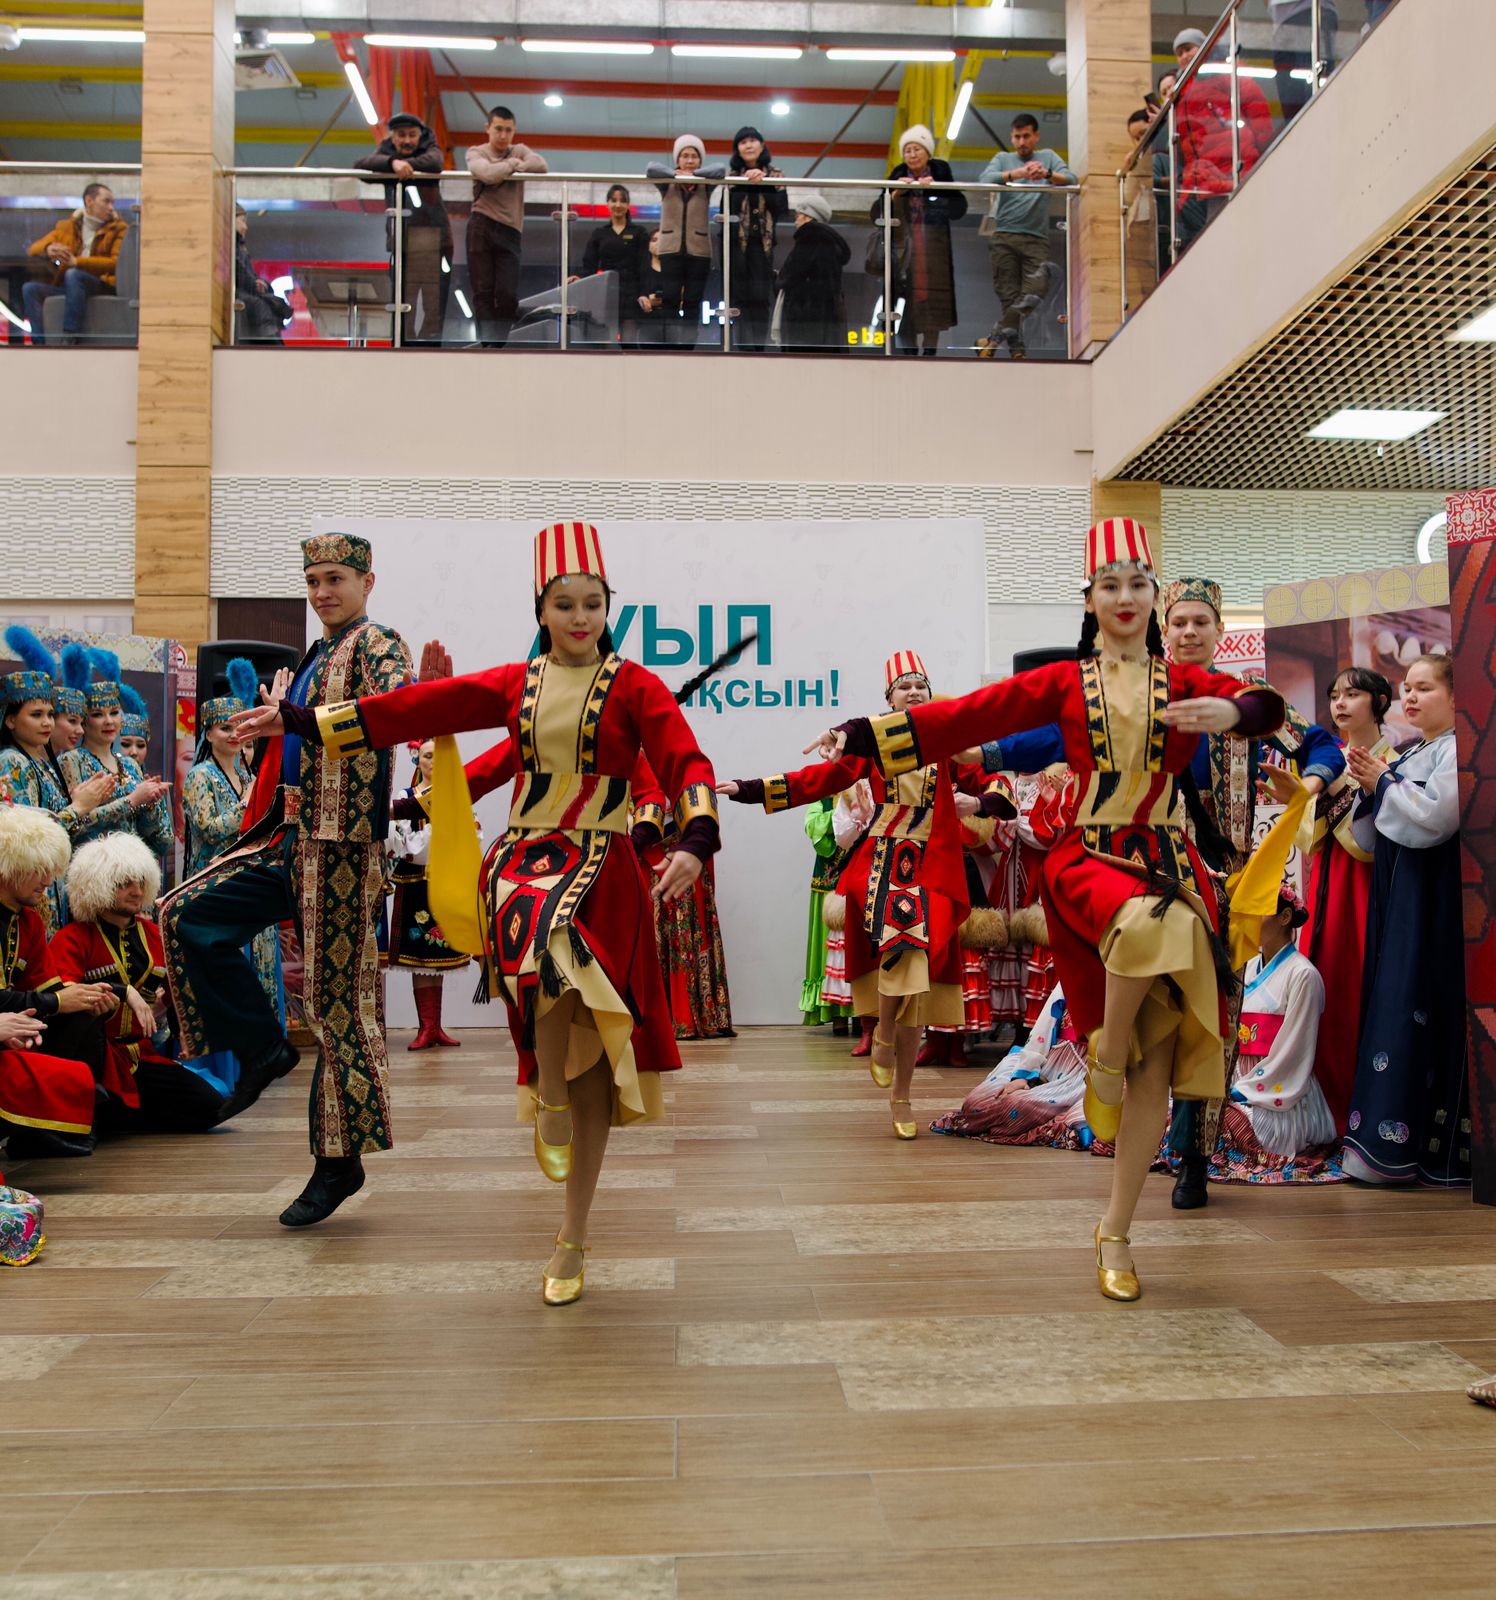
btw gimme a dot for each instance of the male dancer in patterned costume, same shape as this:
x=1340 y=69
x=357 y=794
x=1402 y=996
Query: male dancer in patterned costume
x=311 y=852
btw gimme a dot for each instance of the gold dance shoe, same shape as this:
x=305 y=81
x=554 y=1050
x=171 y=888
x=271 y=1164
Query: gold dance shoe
x=562 y=1291
x=1103 y=1118
x=904 y=1130
x=1115 y=1284
x=554 y=1159
x=882 y=1076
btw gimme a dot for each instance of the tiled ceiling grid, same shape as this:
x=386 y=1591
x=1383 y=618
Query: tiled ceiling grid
x=1377 y=338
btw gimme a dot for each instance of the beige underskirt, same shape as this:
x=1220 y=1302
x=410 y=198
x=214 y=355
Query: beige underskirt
x=1184 y=1000
x=601 y=1025
x=921 y=1003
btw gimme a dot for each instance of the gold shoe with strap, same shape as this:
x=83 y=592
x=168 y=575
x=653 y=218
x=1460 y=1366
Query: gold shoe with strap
x=562 y=1291
x=554 y=1159
x=904 y=1130
x=1102 y=1117
x=1116 y=1283
x=882 y=1076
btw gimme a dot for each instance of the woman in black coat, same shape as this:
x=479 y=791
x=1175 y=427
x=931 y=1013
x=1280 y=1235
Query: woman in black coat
x=755 y=208
x=923 y=269
x=813 y=313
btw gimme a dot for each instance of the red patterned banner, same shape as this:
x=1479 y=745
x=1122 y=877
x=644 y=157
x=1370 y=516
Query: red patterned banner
x=1472 y=601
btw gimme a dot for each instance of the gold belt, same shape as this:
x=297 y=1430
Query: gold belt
x=572 y=802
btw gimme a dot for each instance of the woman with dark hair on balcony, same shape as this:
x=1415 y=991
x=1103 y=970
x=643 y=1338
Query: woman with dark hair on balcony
x=924 y=273
x=621 y=245
x=752 y=211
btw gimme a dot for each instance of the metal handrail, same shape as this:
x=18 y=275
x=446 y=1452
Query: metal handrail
x=69 y=166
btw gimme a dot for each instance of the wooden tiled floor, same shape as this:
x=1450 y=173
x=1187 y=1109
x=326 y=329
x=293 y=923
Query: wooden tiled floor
x=811 y=1362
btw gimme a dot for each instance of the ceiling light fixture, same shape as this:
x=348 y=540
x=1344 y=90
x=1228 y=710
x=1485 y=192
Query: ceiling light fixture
x=428 y=41
x=461 y=299
x=360 y=92
x=1482 y=330
x=82 y=35
x=554 y=101
x=290 y=38
x=839 y=53
x=740 y=52
x=586 y=47
x=780 y=108
x=1387 y=426
x=958 y=111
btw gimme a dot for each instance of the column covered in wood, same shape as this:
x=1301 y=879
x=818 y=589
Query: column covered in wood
x=1109 y=66
x=1143 y=502
x=186 y=292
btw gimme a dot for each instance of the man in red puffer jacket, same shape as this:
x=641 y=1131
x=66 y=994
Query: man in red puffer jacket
x=1202 y=122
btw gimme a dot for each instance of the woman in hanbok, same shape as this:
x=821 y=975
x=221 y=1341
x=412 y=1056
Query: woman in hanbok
x=1337 y=884
x=905 y=886
x=416 y=942
x=214 y=795
x=567 y=919
x=28 y=776
x=1129 y=905
x=137 y=804
x=1278 y=1127
x=1410 y=1108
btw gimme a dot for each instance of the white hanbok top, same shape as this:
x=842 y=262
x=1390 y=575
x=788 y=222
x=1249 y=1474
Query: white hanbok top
x=1283 y=1097
x=1418 y=803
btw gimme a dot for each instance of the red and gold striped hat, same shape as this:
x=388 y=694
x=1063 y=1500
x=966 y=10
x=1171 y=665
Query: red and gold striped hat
x=903 y=664
x=1118 y=542
x=567 y=550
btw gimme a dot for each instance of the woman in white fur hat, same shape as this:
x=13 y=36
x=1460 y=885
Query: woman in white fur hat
x=684 y=241
x=924 y=274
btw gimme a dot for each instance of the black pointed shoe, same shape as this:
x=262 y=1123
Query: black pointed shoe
x=334 y=1179
x=256 y=1079
x=1190 y=1190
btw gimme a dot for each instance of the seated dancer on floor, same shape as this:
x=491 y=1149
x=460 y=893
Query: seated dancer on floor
x=51 y=1033
x=905 y=885
x=566 y=914
x=1131 y=911
x=416 y=942
x=1277 y=1127
x=112 y=883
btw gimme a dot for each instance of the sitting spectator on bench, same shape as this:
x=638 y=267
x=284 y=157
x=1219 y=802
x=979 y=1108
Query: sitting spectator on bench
x=111 y=882
x=82 y=250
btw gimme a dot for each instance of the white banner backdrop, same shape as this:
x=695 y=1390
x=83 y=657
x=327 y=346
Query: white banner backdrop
x=830 y=600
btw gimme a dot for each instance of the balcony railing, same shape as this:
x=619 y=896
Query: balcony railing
x=346 y=258
x=1216 y=124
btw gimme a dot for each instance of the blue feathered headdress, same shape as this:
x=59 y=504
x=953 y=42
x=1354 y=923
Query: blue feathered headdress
x=136 y=722
x=133 y=701
x=77 y=669
x=244 y=681
x=103 y=692
x=30 y=651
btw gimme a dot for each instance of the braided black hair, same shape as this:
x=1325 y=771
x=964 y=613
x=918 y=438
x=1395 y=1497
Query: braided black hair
x=1090 y=629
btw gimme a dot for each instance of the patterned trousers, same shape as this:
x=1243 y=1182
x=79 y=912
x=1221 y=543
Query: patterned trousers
x=333 y=892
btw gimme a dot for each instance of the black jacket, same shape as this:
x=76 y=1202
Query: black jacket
x=814 y=313
x=626 y=253
x=427 y=159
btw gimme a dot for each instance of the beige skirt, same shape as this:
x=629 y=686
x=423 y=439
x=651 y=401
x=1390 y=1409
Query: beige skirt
x=921 y=1003
x=1184 y=1000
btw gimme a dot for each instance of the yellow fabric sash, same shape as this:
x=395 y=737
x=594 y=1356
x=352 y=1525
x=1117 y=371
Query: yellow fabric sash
x=1254 y=890
x=456 y=858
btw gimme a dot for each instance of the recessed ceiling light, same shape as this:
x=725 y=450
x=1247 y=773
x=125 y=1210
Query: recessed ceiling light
x=1481 y=330
x=780 y=108
x=837 y=53
x=428 y=41
x=586 y=47
x=81 y=35
x=1385 y=425
x=740 y=52
x=554 y=101
x=290 y=38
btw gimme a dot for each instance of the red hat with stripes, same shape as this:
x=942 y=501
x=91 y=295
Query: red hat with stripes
x=1118 y=542
x=903 y=664
x=567 y=550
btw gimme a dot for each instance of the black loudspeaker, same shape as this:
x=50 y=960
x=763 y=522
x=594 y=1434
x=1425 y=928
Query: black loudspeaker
x=1027 y=660
x=213 y=660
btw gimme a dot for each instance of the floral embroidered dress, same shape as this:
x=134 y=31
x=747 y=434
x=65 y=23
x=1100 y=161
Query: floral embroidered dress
x=25 y=781
x=152 y=823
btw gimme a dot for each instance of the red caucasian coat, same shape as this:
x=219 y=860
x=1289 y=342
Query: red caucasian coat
x=1119 y=831
x=38 y=1090
x=634 y=713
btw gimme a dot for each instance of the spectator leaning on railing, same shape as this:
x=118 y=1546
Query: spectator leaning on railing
x=684 y=240
x=410 y=151
x=1202 y=124
x=82 y=250
x=494 y=231
x=1020 y=242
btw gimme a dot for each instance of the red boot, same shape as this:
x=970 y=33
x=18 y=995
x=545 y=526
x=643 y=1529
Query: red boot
x=864 y=1046
x=429 y=1009
x=934 y=1051
x=955 y=1055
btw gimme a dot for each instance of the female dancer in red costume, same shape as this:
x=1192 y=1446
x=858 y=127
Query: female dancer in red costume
x=905 y=886
x=1131 y=914
x=569 y=939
